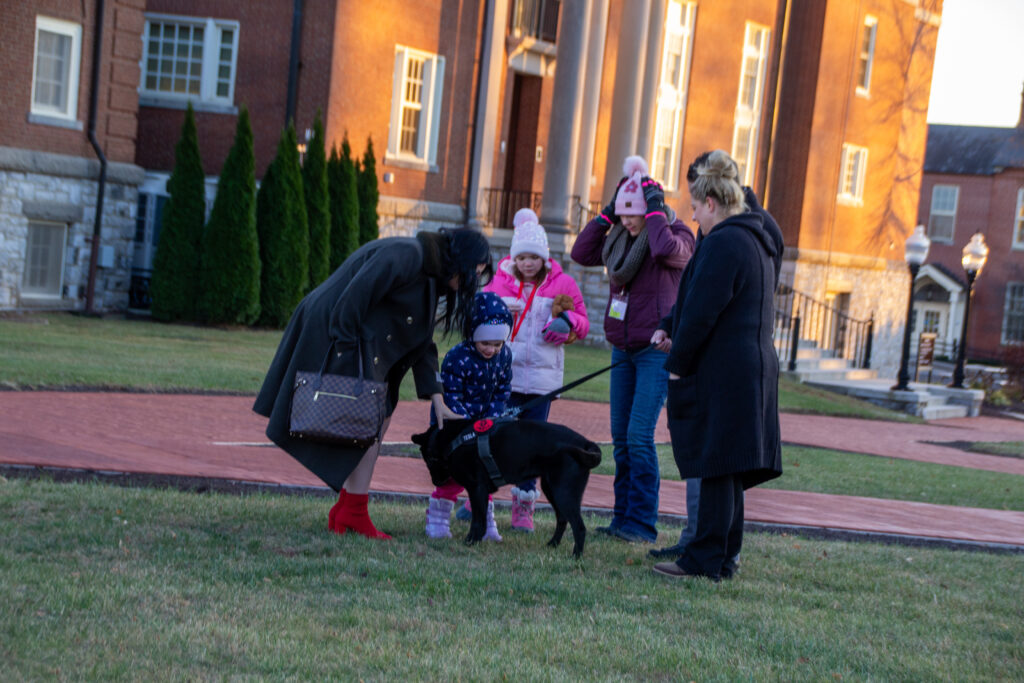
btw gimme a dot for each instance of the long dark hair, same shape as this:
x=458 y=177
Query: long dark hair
x=467 y=249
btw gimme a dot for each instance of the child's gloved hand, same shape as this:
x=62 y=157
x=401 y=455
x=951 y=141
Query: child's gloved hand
x=557 y=331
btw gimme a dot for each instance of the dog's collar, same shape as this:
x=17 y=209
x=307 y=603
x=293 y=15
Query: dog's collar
x=480 y=431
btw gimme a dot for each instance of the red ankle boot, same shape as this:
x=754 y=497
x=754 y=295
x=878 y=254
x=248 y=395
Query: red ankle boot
x=354 y=515
x=333 y=514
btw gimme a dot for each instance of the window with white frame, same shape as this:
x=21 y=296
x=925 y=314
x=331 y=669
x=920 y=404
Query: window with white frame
x=675 y=72
x=751 y=97
x=1013 y=314
x=189 y=59
x=1018 y=221
x=942 y=220
x=853 y=169
x=416 y=90
x=44 y=259
x=867 y=55
x=55 y=68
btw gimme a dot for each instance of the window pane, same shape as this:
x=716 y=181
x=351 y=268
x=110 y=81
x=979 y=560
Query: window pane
x=44 y=259
x=53 y=63
x=940 y=227
x=1013 y=314
x=177 y=50
x=410 y=130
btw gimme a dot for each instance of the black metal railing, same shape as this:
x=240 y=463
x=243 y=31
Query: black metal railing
x=584 y=213
x=500 y=205
x=798 y=318
x=535 y=19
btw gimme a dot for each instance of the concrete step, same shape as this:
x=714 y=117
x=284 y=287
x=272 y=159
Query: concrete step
x=823 y=364
x=806 y=353
x=943 y=411
x=812 y=376
x=927 y=401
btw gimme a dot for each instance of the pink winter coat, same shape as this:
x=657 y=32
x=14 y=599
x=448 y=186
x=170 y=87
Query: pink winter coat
x=537 y=366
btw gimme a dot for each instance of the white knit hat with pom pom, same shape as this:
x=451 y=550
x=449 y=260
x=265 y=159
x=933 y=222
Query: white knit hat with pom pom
x=529 y=236
x=630 y=199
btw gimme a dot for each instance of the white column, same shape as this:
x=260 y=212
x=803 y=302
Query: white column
x=622 y=136
x=488 y=110
x=652 y=80
x=591 y=102
x=555 y=212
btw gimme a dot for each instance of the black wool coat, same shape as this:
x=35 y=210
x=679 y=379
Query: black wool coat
x=381 y=303
x=723 y=411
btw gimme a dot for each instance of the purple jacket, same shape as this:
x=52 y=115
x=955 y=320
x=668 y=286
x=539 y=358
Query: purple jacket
x=653 y=291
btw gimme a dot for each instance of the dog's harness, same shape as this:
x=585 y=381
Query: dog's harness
x=480 y=431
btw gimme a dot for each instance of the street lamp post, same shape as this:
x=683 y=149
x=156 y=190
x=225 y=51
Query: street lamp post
x=974 y=257
x=915 y=252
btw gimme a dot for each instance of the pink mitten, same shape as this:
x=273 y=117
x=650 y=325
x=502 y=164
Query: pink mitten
x=557 y=331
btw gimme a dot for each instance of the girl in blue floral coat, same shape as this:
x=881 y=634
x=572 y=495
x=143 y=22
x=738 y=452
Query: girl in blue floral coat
x=477 y=379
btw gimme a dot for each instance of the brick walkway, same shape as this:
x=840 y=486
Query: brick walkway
x=220 y=438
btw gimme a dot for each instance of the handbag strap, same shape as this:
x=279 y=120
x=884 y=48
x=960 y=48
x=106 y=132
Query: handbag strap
x=327 y=357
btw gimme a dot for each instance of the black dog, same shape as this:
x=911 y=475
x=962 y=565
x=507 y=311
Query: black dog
x=521 y=449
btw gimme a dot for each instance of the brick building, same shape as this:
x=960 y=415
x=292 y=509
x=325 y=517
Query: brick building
x=478 y=108
x=973 y=182
x=66 y=120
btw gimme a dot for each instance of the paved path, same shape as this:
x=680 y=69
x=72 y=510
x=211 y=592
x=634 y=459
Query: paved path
x=219 y=437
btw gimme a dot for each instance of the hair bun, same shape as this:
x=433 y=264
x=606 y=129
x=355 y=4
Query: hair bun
x=634 y=164
x=524 y=216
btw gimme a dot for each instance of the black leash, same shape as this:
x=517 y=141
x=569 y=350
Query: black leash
x=516 y=410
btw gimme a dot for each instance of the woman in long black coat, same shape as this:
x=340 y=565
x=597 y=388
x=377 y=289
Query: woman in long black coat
x=723 y=382
x=381 y=304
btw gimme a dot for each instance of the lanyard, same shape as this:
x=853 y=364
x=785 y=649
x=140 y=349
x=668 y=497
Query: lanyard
x=521 y=316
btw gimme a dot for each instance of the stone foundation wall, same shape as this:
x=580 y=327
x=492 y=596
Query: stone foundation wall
x=55 y=188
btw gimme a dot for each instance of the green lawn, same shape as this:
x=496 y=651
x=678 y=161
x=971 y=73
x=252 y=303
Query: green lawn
x=62 y=350
x=101 y=583
x=820 y=470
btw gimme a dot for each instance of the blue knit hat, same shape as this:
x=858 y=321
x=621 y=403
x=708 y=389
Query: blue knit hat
x=491 y=318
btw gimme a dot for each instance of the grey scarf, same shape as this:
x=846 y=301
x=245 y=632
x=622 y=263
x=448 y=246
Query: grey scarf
x=623 y=264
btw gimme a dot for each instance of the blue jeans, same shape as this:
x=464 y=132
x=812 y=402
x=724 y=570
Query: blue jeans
x=692 y=500
x=537 y=412
x=638 y=389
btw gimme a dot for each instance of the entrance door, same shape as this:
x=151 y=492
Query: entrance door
x=522 y=148
x=933 y=317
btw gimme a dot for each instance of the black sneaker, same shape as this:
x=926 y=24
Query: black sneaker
x=630 y=537
x=671 y=551
x=606 y=530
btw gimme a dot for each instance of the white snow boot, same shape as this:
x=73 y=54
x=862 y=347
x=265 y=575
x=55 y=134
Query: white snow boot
x=492 y=528
x=439 y=513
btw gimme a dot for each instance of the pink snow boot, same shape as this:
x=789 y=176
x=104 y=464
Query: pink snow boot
x=522 y=509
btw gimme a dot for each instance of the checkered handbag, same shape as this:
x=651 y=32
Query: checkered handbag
x=336 y=409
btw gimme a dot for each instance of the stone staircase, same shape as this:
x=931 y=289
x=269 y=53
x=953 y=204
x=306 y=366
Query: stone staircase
x=818 y=365
x=820 y=368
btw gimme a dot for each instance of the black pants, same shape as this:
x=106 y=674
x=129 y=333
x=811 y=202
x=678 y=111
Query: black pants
x=719 y=535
